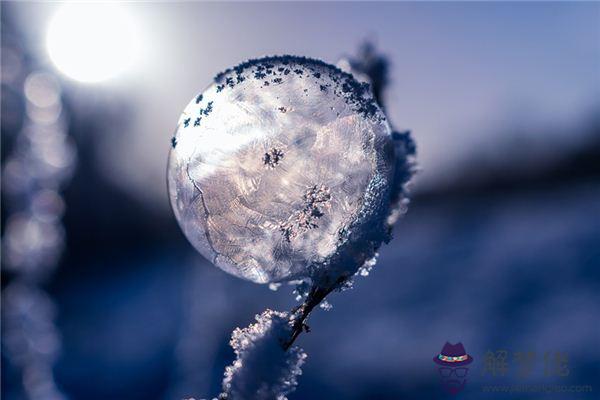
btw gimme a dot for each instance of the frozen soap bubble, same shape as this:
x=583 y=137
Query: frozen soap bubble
x=285 y=168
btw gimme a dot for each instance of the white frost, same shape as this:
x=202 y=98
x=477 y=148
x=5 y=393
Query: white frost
x=263 y=370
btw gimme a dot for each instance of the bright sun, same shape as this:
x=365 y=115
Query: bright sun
x=91 y=42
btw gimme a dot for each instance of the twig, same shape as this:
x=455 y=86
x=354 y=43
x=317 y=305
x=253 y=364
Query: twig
x=316 y=295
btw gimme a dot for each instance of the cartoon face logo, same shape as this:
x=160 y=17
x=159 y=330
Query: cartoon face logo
x=452 y=362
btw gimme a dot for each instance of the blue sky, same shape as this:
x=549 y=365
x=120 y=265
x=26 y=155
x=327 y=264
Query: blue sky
x=465 y=75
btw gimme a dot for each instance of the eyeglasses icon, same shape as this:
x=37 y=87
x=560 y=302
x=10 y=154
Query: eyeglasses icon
x=446 y=372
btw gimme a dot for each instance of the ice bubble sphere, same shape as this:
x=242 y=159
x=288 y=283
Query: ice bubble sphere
x=282 y=169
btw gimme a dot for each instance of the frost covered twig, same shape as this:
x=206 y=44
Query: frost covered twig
x=264 y=369
x=300 y=314
x=310 y=201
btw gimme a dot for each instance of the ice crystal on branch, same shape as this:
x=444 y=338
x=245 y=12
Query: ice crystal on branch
x=263 y=370
x=288 y=173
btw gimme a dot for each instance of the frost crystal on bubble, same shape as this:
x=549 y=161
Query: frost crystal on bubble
x=263 y=370
x=285 y=168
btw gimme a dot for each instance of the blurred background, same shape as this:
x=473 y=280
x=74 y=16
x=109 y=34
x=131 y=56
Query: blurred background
x=103 y=298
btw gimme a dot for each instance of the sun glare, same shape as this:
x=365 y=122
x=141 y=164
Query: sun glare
x=91 y=42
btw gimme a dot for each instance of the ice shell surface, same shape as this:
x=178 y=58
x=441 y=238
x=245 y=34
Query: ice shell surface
x=278 y=166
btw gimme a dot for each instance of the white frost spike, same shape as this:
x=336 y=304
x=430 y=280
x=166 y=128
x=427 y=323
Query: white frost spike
x=286 y=168
x=263 y=370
